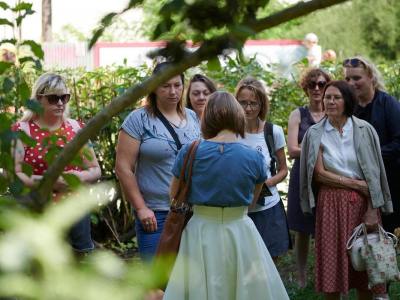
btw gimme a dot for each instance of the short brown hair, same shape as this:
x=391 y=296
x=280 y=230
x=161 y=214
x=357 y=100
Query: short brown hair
x=151 y=100
x=199 y=78
x=222 y=111
x=258 y=89
x=348 y=95
x=310 y=75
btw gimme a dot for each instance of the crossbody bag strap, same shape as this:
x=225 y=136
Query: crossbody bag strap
x=171 y=130
x=188 y=161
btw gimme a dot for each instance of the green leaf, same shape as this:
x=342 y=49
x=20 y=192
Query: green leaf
x=24 y=90
x=34 y=106
x=22 y=6
x=5 y=122
x=96 y=35
x=26 y=139
x=4 y=66
x=16 y=187
x=214 y=65
x=6 y=22
x=35 y=47
x=27 y=169
x=8 y=41
x=8 y=85
x=72 y=180
x=4 y=5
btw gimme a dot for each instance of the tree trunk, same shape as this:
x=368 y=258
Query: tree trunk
x=46 y=21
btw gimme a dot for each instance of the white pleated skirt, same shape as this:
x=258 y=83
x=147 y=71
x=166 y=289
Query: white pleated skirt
x=222 y=257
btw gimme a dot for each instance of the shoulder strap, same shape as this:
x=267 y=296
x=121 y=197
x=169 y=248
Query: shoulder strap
x=74 y=124
x=188 y=162
x=269 y=140
x=171 y=130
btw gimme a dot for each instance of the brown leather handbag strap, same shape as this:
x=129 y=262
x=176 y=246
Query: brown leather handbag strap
x=189 y=159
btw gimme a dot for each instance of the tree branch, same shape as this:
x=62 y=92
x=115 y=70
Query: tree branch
x=207 y=50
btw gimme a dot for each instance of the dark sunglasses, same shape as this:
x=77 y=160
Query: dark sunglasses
x=313 y=84
x=353 y=62
x=54 y=99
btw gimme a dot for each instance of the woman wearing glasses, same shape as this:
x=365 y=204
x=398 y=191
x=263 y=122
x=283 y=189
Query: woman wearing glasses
x=51 y=93
x=382 y=111
x=312 y=83
x=269 y=213
x=343 y=179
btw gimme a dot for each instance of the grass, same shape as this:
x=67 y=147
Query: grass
x=287 y=269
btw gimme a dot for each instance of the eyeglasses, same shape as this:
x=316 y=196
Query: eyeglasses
x=54 y=99
x=313 y=84
x=253 y=105
x=353 y=62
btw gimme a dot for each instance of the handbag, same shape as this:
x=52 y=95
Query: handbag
x=380 y=258
x=375 y=253
x=179 y=214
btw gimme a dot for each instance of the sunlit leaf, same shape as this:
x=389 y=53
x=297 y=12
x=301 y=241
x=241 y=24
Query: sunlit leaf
x=214 y=65
x=8 y=41
x=35 y=47
x=72 y=180
x=4 y=5
x=6 y=22
x=4 y=66
x=24 y=90
x=22 y=6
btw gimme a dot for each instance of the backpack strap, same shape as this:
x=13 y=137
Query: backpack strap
x=269 y=139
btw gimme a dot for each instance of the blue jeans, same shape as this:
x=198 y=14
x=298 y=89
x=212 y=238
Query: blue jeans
x=148 y=241
x=80 y=236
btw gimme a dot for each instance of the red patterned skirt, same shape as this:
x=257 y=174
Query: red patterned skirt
x=338 y=212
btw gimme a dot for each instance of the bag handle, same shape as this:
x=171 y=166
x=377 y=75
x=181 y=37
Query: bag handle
x=357 y=231
x=382 y=235
x=185 y=184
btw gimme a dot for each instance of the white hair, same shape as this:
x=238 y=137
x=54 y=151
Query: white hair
x=311 y=37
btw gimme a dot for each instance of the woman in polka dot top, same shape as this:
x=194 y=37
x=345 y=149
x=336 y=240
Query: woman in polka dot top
x=52 y=128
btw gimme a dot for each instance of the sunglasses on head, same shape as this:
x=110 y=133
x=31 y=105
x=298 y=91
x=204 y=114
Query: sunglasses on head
x=54 y=99
x=313 y=84
x=353 y=62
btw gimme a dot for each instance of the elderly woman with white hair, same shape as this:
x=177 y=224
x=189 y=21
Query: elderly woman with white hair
x=52 y=94
x=382 y=111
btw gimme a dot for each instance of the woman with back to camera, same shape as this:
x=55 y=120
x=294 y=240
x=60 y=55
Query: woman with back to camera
x=200 y=87
x=148 y=143
x=51 y=92
x=312 y=83
x=221 y=255
x=269 y=212
x=341 y=166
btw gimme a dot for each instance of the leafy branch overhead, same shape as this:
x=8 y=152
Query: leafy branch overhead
x=214 y=25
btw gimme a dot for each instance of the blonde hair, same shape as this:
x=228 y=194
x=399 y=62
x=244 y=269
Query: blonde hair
x=372 y=71
x=46 y=84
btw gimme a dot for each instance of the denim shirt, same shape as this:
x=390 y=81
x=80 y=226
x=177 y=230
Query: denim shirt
x=366 y=143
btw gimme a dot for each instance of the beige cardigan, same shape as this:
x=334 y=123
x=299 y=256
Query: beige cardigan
x=368 y=150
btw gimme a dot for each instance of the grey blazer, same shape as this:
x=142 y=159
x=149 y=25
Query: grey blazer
x=366 y=143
